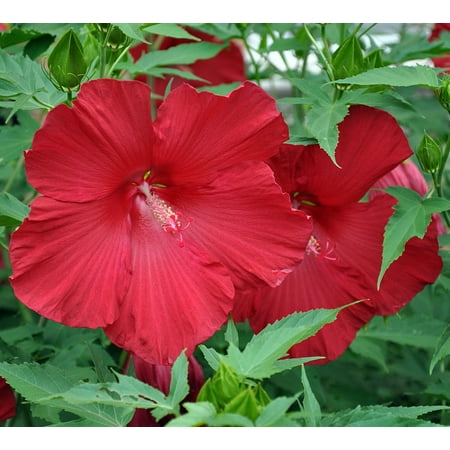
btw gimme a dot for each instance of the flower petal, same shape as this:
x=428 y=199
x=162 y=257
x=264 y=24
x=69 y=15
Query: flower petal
x=85 y=152
x=71 y=261
x=214 y=132
x=247 y=223
x=371 y=143
x=7 y=401
x=357 y=233
x=178 y=296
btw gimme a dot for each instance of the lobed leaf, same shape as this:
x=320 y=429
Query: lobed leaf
x=401 y=76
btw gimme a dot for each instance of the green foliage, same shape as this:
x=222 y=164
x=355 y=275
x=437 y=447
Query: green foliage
x=396 y=76
x=12 y=210
x=411 y=218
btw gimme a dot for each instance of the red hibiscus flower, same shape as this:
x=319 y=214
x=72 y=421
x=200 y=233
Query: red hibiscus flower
x=438 y=28
x=7 y=401
x=344 y=253
x=228 y=66
x=147 y=228
x=159 y=376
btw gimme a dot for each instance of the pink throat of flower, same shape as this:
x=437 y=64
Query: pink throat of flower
x=320 y=251
x=170 y=220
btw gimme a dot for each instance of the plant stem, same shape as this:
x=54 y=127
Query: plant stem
x=321 y=54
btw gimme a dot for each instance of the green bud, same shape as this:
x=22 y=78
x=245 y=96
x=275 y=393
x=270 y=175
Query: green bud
x=245 y=404
x=117 y=39
x=348 y=59
x=222 y=387
x=66 y=62
x=429 y=154
x=374 y=60
x=443 y=93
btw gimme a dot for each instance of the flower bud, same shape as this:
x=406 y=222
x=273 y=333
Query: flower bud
x=348 y=59
x=117 y=39
x=66 y=62
x=222 y=387
x=429 y=154
x=443 y=93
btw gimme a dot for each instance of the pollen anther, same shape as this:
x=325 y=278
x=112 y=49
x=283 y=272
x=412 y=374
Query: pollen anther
x=170 y=220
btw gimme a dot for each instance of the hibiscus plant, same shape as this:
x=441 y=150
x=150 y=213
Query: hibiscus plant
x=224 y=225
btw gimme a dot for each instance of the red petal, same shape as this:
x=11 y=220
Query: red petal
x=371 y=143
x=178 y=297
x=7 y=401
x=71 y=261
x=86 y=152
x=244 y=220
x=357 y=232
x=214 y=132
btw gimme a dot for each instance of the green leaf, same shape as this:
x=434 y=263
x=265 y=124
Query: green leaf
x=311 y=406
x=133 y=30
x=274 y=412
x=180 y=54
x=410 y=219
x=322 y=121
x=25 y=85
x=45 y=384
x=179 y=386
x=381 y=416
x=259 y=358
x=442 y=349
x=323 y=116
x=16 y=36
x=12 y=210
x=368 y=348
x=14 y=140
x=231 y=333
x=414 y=331
x=170 y=30
x=396 y=76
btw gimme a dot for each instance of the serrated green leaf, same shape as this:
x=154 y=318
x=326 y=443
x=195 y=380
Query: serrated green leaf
x=179 y=386
x=410 y=219
x=274 y=412
x=212 y=357
x=170 y=30
x=133 y=30
x=12 y=210
x=25 y=85
x=311 y=406
x=180 y=54
x=39 y=383
x=396 y=76
x=322 y=121
x=197 y=414
x=442 y=349
x=413 y=331
x=381 y=416
x=259 y=358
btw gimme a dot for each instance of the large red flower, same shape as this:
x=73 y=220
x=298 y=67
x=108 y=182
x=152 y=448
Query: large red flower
x=344 y=253
x=7 y=401
x=159 y=376
x=146 y=229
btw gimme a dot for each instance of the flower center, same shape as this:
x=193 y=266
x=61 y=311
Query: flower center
x=320 y=251
x=170 y=220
